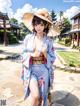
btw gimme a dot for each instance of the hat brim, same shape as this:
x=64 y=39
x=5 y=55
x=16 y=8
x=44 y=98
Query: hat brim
x=42 y=17
x=28 y=17
x=27 y=20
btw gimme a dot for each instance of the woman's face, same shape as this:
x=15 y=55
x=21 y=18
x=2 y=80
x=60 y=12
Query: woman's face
x=39 y=27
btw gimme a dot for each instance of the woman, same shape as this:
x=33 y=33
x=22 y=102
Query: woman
x=37 y=58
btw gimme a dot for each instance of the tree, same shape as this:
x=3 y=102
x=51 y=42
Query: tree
x=61 y=14
x=53 y=15
x=66 y=26
x=14 y=21
x=24 y=30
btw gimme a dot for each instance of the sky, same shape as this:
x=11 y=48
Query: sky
x=56 y=5
x=16 y=8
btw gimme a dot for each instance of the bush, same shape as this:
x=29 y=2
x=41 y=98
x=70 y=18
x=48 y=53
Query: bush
x=22 y=35
x=72 y=64
x=67 y=41
x=78 y=47
x=12 y=39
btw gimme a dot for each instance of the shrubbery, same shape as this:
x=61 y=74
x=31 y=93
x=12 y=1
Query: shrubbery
x=12 y=39
x=71 y=63
x=67 y=41
x=22 y=35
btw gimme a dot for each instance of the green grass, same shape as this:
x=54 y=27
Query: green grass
x=71 y=58
x=61 y=42
x=65 y=41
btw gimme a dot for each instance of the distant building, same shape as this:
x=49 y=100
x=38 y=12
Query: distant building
x=5 y=26
x=75 y=31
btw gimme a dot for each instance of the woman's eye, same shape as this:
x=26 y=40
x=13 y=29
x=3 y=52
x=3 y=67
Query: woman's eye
x=42 y=24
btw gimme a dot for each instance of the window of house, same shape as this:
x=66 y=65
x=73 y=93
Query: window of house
x=75 y=21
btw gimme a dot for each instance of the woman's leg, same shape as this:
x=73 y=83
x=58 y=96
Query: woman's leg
x=45 y=87
x=34 y=91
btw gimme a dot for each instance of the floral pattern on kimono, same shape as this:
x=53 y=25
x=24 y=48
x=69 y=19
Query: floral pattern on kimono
x=29 y=47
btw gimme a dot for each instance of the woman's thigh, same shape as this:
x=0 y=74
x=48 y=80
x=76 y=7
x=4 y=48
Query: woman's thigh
x=34 y=89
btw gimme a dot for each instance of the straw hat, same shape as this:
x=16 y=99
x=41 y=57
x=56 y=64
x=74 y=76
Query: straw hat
x=41 y=13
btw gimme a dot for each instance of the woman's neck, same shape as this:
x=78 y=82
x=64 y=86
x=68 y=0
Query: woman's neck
x=40 y=35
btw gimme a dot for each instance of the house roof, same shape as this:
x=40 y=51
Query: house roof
x=13 y=25
x=8 y=24
x=77 y=15
x=73 y=31
x=4 y=15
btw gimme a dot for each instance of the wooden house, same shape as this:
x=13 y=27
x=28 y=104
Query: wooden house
x=75 y=31
x=5 y=26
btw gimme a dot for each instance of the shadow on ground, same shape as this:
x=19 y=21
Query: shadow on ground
x=68 y=100
x=5 y=52
x=10 y=56
x=60 y=48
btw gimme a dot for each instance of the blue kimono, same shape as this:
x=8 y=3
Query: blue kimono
x=42 y=72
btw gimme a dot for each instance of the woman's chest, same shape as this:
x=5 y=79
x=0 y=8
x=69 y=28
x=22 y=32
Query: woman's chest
x=37 y=44
x=30 y=44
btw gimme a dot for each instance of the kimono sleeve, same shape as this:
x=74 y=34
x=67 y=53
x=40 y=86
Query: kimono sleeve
x=25 y=57
x=50 y=60
x=50 y=54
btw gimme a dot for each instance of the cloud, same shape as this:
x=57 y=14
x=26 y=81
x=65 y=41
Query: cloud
x=26 y=8
x=5 y=7
x=69 y=13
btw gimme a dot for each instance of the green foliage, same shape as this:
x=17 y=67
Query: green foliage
x=75 y=47
x=78 y=47
x=22 y=35
x=70 y=58
x=66 y=26
x=61 y=41
x=53 y=15
x=67 y=41
x=61 y=13
x=13 y=20
x=12 y=39
x=24 y=30
x=71 y=63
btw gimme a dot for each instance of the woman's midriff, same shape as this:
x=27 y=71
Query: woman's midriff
x=38 y=60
